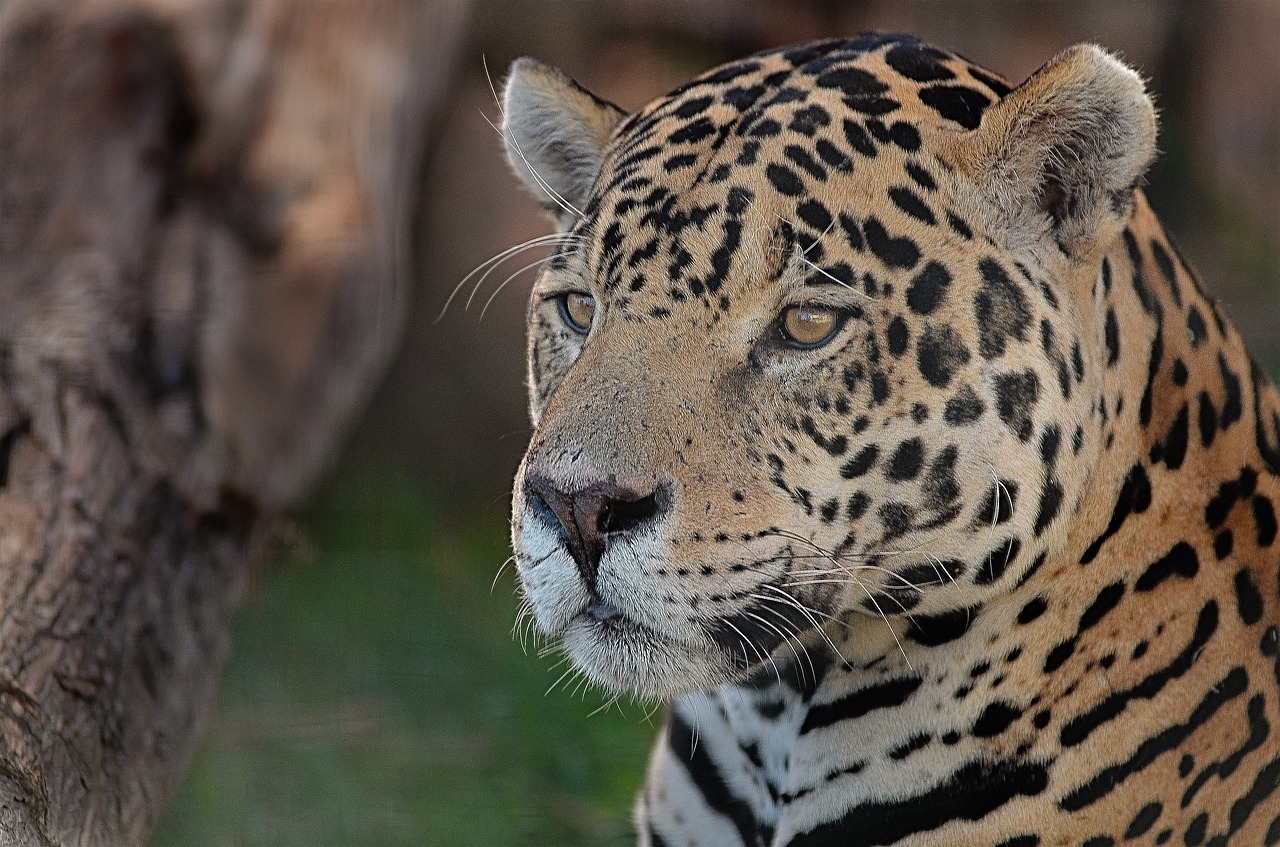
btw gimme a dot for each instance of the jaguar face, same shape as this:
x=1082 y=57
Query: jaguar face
x=807 y=359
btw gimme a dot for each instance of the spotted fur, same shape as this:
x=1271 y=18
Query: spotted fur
x=995 y=564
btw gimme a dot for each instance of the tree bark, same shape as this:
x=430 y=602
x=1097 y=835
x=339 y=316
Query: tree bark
x=204 y=209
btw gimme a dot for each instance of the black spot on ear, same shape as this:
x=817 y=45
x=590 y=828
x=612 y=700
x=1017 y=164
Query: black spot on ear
x=1054 y=200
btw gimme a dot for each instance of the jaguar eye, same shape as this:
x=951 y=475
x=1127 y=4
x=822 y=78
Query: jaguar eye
x=807 y=327
x=577 y=310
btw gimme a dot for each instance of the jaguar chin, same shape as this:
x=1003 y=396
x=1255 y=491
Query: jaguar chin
x=625 y=656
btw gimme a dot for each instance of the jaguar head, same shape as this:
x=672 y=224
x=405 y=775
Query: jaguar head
x=818 y=351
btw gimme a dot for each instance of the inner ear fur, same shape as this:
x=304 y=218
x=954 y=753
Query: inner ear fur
x=556 y=133
x=1060 y=156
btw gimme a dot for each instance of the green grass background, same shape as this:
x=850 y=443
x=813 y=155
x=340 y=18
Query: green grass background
x=376 y=696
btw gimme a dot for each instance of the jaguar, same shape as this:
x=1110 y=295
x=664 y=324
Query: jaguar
x=881 y=433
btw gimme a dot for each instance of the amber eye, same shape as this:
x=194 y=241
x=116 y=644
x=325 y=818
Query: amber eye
x=578 y=311
x=807 y=327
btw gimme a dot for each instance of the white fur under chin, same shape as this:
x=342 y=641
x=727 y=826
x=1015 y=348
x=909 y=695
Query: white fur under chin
x=629 y=659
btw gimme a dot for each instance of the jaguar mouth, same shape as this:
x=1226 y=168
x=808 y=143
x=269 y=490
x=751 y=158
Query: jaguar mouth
x=605 y=613
x=631 y=632
x=609 y=624
x=623 y=654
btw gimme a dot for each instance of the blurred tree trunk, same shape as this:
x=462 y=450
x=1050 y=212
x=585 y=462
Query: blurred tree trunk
x=204 y=209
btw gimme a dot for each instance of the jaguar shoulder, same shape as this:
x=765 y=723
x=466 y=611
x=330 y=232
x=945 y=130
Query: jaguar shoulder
x=881 y=430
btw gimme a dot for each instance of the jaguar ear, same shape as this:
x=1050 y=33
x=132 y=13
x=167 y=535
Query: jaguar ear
x=1060 y=156
x=556 y=133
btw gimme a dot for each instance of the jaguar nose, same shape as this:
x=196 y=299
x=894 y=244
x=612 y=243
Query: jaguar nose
x=590 y=515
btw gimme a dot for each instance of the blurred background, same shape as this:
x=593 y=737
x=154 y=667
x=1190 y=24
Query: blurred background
x=376 y=695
